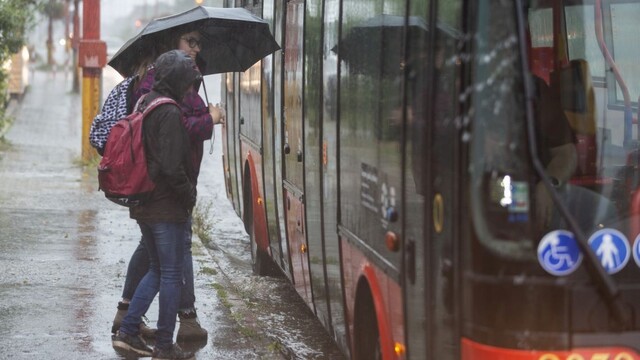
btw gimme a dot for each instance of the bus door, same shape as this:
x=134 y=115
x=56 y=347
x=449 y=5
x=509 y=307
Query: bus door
x=293 y=182
x=231 y=142
x=431 y=186
x=371 y=55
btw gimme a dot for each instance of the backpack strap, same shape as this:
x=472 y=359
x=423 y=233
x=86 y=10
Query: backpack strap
x=155 y=103
x=152 y=105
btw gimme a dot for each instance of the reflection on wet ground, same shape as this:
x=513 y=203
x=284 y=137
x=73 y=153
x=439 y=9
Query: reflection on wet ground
x=65 y=250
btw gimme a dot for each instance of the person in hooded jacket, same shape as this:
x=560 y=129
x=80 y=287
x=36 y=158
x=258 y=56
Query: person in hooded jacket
x=163 y=216
x=199 y=120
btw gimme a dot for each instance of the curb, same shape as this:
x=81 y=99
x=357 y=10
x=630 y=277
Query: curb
x=240 y=310
x=267 y=318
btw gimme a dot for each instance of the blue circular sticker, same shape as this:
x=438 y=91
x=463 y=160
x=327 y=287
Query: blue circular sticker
x=636 y=250
x=558 y=253
x=612 y=248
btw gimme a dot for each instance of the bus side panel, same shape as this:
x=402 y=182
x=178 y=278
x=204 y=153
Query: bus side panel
x=329 y=160
x=371 y=90
x=224 y=94
x=297 y=246
x=294 y=146
x=250 y=150
x=312 y=156
x=236 y=168
x=386 y=294
x=431 y=187
x=232 y=125
x=269 y=149
x=227 y=142
x=278 y=134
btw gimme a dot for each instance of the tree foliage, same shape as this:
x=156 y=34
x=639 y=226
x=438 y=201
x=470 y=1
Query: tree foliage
x=15 y=19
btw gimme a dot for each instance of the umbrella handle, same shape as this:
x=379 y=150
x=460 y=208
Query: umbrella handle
x=206 y=97
x=213 y=131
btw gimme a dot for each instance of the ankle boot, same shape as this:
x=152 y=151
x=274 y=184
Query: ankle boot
x=145 y=331
x=122 y=311
x=190 y=329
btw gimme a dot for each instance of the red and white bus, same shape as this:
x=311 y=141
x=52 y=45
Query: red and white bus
x=447 y=179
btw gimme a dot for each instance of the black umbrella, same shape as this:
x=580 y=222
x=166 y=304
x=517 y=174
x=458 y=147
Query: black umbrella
x=375 y=45
x=233 y=39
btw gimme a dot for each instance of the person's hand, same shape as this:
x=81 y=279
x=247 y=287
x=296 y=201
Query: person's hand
x=218 y=114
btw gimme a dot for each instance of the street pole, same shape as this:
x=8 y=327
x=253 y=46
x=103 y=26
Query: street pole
x=92 y=58
x=75 y=44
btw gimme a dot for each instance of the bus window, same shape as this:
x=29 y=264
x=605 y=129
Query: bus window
x=624 y=39
x=499 y=166
x=371 y=94
x=581 y=43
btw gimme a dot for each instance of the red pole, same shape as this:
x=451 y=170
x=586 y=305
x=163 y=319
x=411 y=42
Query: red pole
x=75 y=44
x=92 y=58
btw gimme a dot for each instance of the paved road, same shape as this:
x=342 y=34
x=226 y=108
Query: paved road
x=65 y=250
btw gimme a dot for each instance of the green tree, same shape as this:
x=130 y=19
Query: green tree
x=15 y=19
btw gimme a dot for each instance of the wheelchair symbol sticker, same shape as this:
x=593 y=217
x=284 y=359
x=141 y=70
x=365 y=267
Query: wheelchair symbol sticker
x=612 y=248
x=558 y=253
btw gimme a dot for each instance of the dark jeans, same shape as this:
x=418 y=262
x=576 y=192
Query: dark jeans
x=139 y=265
x=165 y=246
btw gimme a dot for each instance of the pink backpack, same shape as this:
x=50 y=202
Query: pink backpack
x=122 y=172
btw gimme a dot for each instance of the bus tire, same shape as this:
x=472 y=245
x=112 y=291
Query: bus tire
x=366 y=335
x=259 y=258
x=261 y=263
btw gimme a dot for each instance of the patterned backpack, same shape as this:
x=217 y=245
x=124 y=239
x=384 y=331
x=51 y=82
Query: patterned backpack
x=116 y=107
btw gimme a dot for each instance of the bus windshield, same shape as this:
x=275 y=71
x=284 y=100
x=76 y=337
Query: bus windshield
x=583 y=64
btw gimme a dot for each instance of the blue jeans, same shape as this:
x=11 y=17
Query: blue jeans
x=139 y=265
x=165 y=247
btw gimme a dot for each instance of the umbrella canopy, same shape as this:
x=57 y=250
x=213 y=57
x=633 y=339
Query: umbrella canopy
x=233 y=39
x=375 y=45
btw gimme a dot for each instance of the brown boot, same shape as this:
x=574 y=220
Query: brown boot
x=145 y=331
x=190 y=329
x=122 y=311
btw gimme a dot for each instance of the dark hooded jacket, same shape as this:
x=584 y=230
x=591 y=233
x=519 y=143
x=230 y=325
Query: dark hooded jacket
x=167 y=143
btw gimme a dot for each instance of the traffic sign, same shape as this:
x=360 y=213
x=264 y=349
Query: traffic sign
x=558 y=253
x=612 y=248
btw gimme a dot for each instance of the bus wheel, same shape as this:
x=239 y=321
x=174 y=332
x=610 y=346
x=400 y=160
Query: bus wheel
x=261 y=263
x=366 y=335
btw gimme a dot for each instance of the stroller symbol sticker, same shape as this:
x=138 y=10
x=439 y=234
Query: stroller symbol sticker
x=612 y=248
x=558 y=253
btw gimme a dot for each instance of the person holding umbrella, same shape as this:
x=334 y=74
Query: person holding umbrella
x=163 y=216
x=220 y=40
x=198 y=120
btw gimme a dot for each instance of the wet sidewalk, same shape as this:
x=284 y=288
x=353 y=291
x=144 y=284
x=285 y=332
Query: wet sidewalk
x=65 y=250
